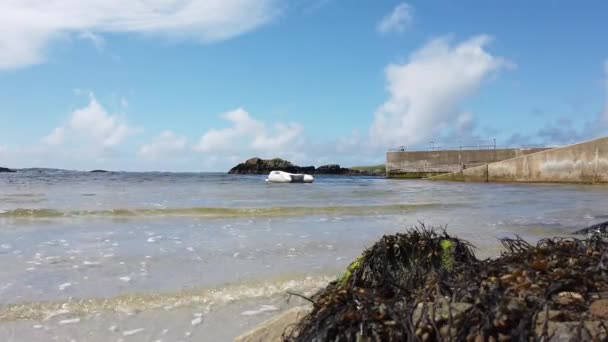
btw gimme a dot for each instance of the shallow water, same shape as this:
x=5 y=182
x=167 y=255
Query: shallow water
x=110 y=256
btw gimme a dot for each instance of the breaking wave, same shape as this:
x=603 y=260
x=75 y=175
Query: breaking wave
x=138 y=302
x=221 y=212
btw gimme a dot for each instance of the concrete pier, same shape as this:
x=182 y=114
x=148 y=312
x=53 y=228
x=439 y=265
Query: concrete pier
x=423 y=164
x=586 y=162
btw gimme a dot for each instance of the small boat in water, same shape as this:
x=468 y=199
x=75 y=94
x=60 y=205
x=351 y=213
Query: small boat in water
x=286 y=177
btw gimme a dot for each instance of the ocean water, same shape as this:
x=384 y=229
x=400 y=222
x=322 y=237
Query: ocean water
x=205 y=257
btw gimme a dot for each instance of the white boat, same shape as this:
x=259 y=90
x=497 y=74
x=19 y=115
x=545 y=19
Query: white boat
x=286 y=177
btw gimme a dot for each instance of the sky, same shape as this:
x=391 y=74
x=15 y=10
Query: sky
x=201 y=85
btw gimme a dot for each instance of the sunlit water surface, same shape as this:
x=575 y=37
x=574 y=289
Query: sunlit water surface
x=161 y=256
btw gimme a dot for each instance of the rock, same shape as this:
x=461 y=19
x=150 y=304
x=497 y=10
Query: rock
x=442 y=311
x=600 y=228
x=334 y=169
x=258 y=166
x=599 y=308
x=272 y=330
x=99 y=171
x=569 y=298
x=559 y=328
x=4 y=169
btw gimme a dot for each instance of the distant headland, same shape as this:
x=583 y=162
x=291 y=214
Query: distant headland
x=258 y=166
x=4 y=169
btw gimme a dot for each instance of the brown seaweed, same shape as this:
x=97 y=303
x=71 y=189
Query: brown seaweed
x=425 y=285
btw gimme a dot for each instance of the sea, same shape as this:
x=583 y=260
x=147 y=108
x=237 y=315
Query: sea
x=121 y=256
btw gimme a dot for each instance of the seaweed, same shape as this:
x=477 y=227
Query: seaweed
x=425 y=285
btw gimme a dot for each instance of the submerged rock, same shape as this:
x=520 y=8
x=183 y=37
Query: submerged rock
x=258 y=166
x=4 y=169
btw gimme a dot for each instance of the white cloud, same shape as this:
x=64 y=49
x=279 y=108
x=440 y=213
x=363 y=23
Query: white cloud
x=397 y=21
x=94 y=125
x=246 y=133
x=425 y=92
x=28 y=26
x=55 y=137
x=167 y=144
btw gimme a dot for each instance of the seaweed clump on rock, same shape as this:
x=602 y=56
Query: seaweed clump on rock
x=426 y=285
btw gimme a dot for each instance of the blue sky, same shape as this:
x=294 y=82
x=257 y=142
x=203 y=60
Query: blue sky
x=198 y=85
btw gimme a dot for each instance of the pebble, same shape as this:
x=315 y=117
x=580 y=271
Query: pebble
x=197 y=321
x=599 y=308
x=568 y=298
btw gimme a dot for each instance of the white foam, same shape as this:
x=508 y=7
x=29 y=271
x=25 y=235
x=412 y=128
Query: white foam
x=91 y=263
x=64 y=286
x=69 y=321
x=262 y=309
x=133 y=332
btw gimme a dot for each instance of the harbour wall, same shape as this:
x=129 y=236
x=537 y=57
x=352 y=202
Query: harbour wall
x=585 y=162
x=422 y=164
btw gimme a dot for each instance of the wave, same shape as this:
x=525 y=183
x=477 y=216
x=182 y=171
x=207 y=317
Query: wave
x=138 y=302
x=220 y=212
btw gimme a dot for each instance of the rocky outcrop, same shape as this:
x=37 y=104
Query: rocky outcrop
x=3 y=169
x=99 y=171
x=258 y=166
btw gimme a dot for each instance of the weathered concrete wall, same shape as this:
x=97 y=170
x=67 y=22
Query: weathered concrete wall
x=586 y=162
x=418 y=164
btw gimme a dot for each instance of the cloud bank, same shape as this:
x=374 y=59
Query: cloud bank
x=28 y=26
x=425 y=92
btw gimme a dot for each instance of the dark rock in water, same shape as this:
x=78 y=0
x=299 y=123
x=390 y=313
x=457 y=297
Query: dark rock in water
x=335 y=169
x=99 y=171
x=600 y=228
x=3 y=169
x=258 y=166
